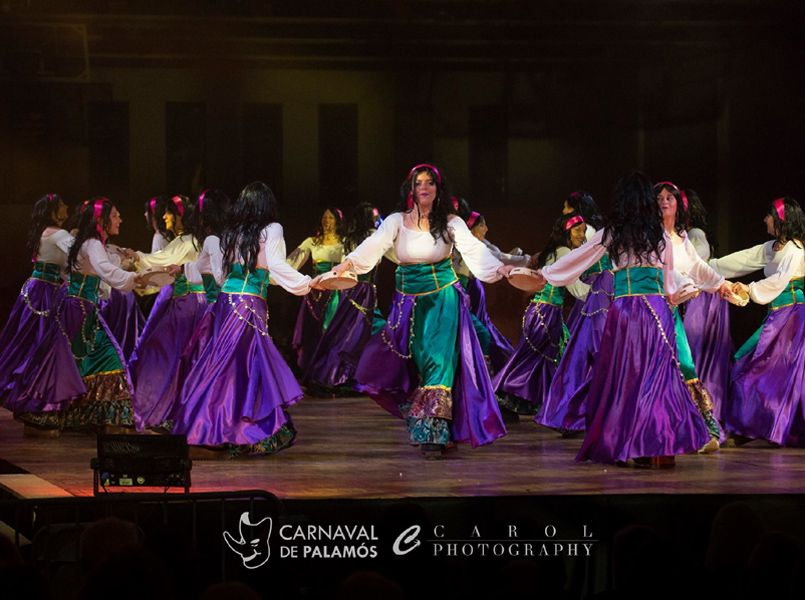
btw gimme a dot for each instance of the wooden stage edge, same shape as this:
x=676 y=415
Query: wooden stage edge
x=349 y=448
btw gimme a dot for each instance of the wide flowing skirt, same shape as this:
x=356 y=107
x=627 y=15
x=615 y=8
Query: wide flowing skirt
x=154 y=364
x=566 y=402
x=26 y=329
x=77 y=378
x=336 y=357
x=500 y=348
x=707 y=323
x=238 y=387
x=317 y=310
x=528 y=374
x=388 y=373
x=124 y=318
x=767 y=394
x=638 y=404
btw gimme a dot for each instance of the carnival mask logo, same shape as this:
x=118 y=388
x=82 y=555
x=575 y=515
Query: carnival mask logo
x=252 y=546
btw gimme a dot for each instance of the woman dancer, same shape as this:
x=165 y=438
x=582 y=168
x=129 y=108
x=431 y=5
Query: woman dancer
x=179 y=308
x=426 y=365
x=687 y=262
x=326 y=250
x=638 y=406
x=156 y=224
x=522 y=384
x=92 y=387
x=237 y=391
x=48 y=246
x=707 y=316
x=766 y=395
x=583 y=204
x=333 y=364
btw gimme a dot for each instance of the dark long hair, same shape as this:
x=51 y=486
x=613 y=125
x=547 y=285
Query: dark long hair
x=41 y=219
x=340 y=226
x=560 y=236
x=253 y=211
x=88 y=228
x=442 y=205
x=362 y=221
x=792 y=229
x=157 y=216
x=582 y=203
x=635 y=227
x=697 y=217
x=205 y=217
x=681 y=217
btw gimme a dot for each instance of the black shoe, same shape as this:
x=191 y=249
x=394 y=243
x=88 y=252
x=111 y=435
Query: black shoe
x=431 y=451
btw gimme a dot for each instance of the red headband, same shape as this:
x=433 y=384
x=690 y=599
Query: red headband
x=455 y=203
x=50 y=197
x=473 y=218
x=201 y=201
x=573 y=221
x=779 y=205
x=431 y=167
x=668 y=183
x=97 y=209
x=153 y=205
x=684 y=199
x=179 y=206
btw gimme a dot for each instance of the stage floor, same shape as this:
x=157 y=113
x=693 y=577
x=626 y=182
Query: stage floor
x=349 y=448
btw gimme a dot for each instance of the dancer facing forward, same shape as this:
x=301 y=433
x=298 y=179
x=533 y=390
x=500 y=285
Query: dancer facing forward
x=426 y=364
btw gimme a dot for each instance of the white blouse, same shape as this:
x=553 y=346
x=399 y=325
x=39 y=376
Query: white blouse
x=699 y=241
x=333 y=253
x=578 y=288
x=272 y=257
x=779 y=268
x=55 y=247
x=210 y=261
x=688 y=263
x=415 y=247
x=517 y=260
x=571 y=266
x=93 y=260
x=179 y=251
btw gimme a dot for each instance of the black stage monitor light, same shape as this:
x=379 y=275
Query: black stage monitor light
x=135 y=461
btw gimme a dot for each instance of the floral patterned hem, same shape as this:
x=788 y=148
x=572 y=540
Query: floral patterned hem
x=282 y=439
x=430 y=430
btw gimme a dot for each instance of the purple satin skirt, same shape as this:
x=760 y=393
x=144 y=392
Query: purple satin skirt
x=566 y=402
x=124 y=318
x=530 y=370
x=25 y=331
x=309 y=326
x=237 y=384
x=638 y=404
x=500 y=348
x=390 y=379
x=707 y=324
x=154 y=363
x=767 y=395
x=339 y=350
x=52 y=380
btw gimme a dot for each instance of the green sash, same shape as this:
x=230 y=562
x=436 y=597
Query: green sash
x=49 y=272
x=792 y=294
x=211 y=287
x=183 y=287
x=638 y=281
x=241 y=281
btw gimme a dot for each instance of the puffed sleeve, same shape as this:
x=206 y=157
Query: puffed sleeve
x=478 y=258
x=744 y=262
x=299 y=256
x=572 y=265
x=766 y=290
x=578 y=288
x=212 y=252
x=702 y=274
x=63 y=241
x=516 y=260
x=281 y=272
x=106 y=270
x=178 y=252
x=700 y=243
x=371 y=250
